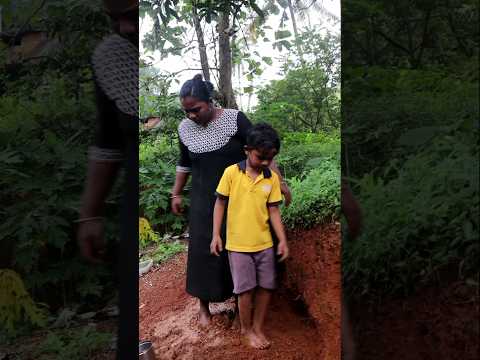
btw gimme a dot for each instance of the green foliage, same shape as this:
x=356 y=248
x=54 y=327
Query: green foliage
x=49 y=108
x=42 y=181
x=311 y=164
x=16 y=305
x=145 y=234
x=155 y=100
x=423 y=219
x=316 y=198
x=81 y=343
x=158 y=160
x=302 y=152
x=411 y=145
x=166 y=250
x=313 y=106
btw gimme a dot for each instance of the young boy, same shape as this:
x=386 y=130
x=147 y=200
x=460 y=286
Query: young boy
x=253 y=194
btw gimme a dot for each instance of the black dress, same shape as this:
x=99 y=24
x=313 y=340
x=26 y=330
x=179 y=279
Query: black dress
x=115 y=64
x=206 y=152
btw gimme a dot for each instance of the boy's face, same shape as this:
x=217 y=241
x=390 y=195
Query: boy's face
x=260 y=159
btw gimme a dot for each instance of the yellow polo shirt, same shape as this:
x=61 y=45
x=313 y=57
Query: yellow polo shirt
x=247 y=211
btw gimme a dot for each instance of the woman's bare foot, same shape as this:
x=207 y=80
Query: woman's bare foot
x=251 y=339
x=262 y=338
x=204 y=315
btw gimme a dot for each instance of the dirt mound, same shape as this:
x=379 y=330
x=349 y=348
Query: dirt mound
x=168 y=316
x=313 y=276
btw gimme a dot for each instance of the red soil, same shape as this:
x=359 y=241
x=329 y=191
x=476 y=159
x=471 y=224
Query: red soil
x=314 y=276
x=168 y=314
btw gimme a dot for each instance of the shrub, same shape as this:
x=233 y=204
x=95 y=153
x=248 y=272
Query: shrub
x=423 y=219
x=316 y=198
x=302 y=152
x=158 y=159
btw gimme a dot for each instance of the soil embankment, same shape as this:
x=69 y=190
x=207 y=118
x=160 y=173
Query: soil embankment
x=312 y=278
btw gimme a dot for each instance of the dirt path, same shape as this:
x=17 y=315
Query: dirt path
x=168 y=318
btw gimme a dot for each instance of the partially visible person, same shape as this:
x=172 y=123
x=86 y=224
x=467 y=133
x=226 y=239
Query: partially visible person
x=353 y=216
x=210 y=140
x=253 y=194
x=115 y=65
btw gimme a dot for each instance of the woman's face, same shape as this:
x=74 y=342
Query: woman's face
x=126 y=24
x=201 y=112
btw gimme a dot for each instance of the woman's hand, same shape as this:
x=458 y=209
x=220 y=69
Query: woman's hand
x=90 y=238
x=216 y=245
x=176 y=204
x=286 y=192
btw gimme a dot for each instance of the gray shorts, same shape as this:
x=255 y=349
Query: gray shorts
x=252 y=269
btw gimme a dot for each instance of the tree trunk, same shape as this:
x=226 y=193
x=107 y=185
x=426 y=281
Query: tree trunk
x=295 y=29
x=225 y=56
x=202 y=49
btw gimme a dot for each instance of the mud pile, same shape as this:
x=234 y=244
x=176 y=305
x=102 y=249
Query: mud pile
x=313 y=277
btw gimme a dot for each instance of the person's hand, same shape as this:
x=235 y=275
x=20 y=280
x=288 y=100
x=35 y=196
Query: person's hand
x=286 y=192
x=176 y=204
x=91 y=240
x=216 y=246
x=282 y=250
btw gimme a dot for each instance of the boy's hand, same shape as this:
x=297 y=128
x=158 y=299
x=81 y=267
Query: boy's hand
x=282 y=250
x=216 y=246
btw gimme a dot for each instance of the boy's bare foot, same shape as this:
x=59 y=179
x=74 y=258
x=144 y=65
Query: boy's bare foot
x=236 y=322
x=251 y=339
x=263 y=339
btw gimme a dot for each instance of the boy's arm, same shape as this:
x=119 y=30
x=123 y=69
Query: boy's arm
x=277 y=225
x=218 y=211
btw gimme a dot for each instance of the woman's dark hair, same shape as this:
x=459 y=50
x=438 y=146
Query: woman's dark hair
x=197 y=88
x=263 y=136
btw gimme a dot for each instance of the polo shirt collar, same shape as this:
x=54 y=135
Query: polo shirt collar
x=242 y=165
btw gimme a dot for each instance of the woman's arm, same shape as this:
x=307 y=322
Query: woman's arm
x=100 y=178
x=180 y=181
x=283 y=185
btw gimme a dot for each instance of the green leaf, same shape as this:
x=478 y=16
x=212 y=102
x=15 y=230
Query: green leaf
x=282 y=34
x=267 y=60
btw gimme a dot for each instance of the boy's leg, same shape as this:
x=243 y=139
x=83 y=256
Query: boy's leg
x=262 y=299
x=245 y=310
x=236 y=316
x=266 y=275
x=242 y=266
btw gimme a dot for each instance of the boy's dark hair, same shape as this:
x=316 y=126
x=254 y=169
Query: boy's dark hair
x=263 y=136
x=197 y=88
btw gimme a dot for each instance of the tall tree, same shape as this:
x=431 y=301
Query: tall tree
x=225 y=56
x=202 y=49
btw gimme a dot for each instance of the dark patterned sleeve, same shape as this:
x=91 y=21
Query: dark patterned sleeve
x=184 y=163
x=243 y=125
x=109 y=142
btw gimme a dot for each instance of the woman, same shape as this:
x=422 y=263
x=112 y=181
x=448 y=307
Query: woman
x=115 y=66
x=210 y=139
